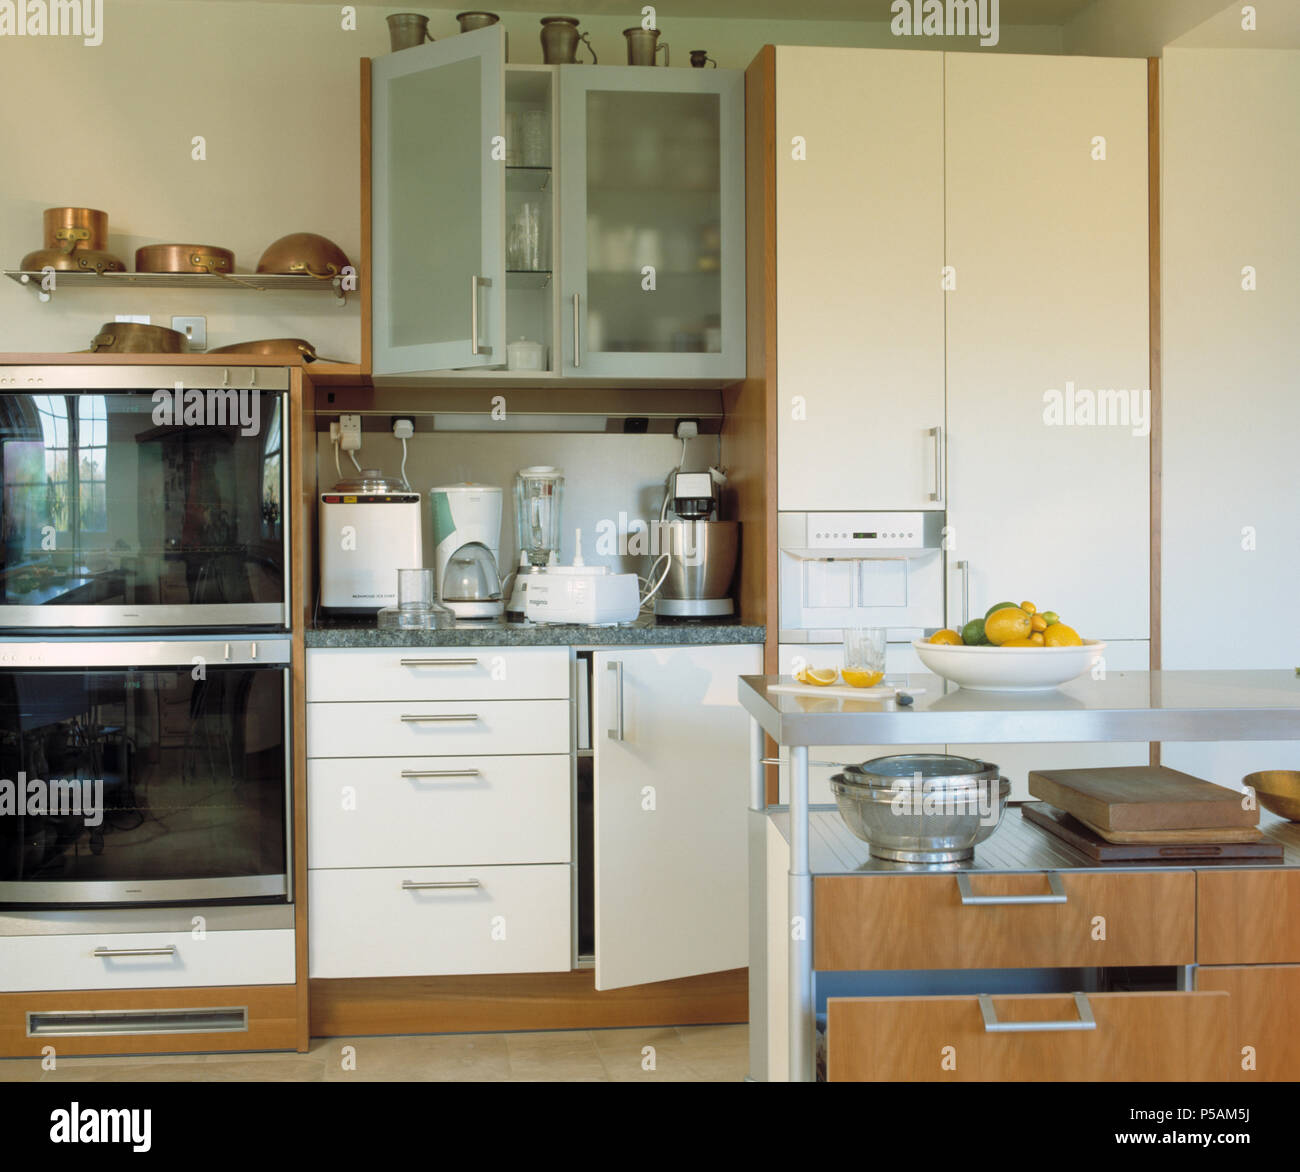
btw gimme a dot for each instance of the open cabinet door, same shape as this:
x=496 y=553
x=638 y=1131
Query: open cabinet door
x=438 y=194
x=671 y=754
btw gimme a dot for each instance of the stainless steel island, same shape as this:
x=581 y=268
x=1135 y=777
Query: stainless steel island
x=1124 y=706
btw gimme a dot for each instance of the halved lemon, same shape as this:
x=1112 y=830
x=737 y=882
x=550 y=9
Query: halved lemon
x=861 y=677
x=821 y=676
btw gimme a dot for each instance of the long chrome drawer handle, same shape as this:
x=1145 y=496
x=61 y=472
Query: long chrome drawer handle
x=993 y=1026
x=470 y=662
x=408 y=718
x=439 y=772
x=412 y=885
x=1054 y=881
x=107 y=953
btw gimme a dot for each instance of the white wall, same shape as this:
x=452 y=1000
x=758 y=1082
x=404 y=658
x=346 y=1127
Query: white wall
x=1133 y=28
x=273 y=88
x=1231 y=122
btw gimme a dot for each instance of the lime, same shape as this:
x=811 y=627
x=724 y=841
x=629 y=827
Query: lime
x=1050 y=617
x=972 y=633
x=997 y=606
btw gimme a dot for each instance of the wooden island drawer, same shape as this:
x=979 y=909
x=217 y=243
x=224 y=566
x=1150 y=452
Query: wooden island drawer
x=973 y=920
x=1248 y=917
x=437 y=673
x=1140 y=1037
x=1263 y=1006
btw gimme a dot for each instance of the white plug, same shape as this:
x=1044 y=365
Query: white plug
x=334 y=431
x=687 y=429
x=350 y=432
x=403 y=429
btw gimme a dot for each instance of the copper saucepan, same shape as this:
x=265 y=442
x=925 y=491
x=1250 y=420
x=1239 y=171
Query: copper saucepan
x=304 y=252
x=78 y=261
x=188 y=258
x=71 y=228
x=277 y=349
x=133 y=337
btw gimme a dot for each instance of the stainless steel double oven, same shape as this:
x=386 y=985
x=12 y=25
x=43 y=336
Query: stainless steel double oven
x=145 y=682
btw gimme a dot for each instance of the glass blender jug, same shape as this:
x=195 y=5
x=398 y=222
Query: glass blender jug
x=538 y=493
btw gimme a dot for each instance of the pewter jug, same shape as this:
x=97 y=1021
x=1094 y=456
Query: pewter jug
x=643 y=45
x=560 y=39
x=408 y=29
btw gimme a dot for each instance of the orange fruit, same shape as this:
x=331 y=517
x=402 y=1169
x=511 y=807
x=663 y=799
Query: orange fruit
x=821 y=676
x=1019 y=643
x=1059 y=635
x=946 y=636
x=1007 y=624
x=861 y=677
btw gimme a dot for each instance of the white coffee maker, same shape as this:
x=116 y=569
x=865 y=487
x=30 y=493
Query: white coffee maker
x=467 y=544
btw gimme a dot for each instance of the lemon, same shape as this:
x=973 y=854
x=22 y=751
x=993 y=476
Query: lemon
x=861 y=677
x=1037 y=622
x=1059 y=635
x=946 y=636
x=821 y=676
x=1028 y=607
x=1019 y=643
x=996 y=606
x=1037 y=639
x=1006 y=624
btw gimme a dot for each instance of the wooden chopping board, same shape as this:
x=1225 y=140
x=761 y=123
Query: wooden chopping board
x=1141 y=797
x=1089 y=843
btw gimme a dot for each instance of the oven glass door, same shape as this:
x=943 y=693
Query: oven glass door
x=142 y=509
x=143 y=785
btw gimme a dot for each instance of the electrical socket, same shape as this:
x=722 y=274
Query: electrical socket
x=350 y=432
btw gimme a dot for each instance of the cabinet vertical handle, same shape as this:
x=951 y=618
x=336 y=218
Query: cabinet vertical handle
x=964 y=567
x=937 y=434
x=577 y=336
x=992 y=1026
x=616 y=733
x=475 y=284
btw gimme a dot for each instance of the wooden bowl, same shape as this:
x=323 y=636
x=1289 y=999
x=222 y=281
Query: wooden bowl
x=1278 y=791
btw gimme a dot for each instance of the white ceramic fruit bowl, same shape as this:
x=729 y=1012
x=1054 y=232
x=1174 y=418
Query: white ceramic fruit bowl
x=1009 y=669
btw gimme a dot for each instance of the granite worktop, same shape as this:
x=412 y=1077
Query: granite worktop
x=647 y=631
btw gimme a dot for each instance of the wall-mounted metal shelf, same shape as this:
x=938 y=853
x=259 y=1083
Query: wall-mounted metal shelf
x=242 y=282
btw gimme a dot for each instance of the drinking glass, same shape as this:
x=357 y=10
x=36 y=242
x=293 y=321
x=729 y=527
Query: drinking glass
x=864 y=656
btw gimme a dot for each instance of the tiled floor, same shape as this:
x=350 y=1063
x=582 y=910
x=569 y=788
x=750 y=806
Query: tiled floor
x=683 y=1054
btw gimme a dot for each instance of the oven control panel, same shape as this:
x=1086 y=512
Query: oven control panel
x=869 y=531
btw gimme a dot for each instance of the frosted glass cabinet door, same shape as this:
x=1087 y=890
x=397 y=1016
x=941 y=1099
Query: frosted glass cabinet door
x=439 y=196
x=653 y=222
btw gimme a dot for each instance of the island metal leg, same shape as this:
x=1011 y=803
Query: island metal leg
x=803 y=1027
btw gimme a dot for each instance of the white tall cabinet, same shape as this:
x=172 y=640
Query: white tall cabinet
x=859 y=214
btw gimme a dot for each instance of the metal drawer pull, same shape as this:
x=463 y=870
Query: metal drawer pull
x=471 y=662
x=993 y=1026
x=408 y=718
x=439 y=772
x=1054 y=882
x=109 y=953
x=616 y=733
x=412 y=885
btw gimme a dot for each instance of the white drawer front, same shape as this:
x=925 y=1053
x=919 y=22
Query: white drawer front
x=421 y=729
x=376 y=812
x=438 y=673
x=52 y=963
x=512 y=920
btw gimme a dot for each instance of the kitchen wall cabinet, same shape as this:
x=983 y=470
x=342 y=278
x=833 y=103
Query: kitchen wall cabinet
x=859 y=298
x=596 y=210
x=671 y=753
x=1047 y=246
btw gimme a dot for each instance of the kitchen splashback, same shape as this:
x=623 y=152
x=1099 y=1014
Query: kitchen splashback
x=605 y=475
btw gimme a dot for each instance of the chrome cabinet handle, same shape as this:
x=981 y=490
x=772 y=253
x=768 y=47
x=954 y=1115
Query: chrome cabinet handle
x=438 y=717
x=108 y=953
x=470 y=662
x=443 y=885
x=475 y=284
x=577 y=337
x=937 y=433
x=439 y=772
x=616 y=733
x=964 y=567
x=969 y=898
x=993 y=1026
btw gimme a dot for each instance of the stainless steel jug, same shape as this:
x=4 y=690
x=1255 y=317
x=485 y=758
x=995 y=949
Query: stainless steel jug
x=560 y=39
x=408 y=29
x=643 y=45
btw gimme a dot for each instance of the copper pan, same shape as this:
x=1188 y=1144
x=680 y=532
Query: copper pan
x=133 y=337
x=71 y=228
x=80 y=261
x=278 y=349
x=188 y=258
x=304 y=252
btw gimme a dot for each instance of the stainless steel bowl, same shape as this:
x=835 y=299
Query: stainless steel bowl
x=922 y=807
x=703 y=559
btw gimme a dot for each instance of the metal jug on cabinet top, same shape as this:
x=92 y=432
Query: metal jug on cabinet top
x=643 y=45
x=560 y=39
x=408 y=29
x=469 y=21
